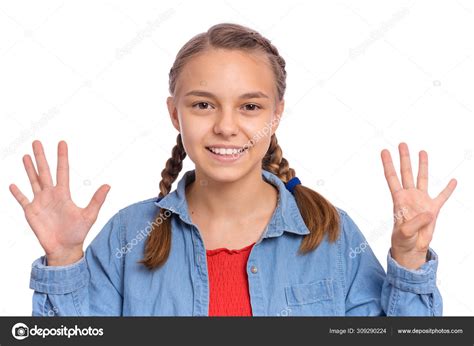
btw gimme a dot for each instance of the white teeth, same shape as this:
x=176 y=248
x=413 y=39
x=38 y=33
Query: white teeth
x=224 y=151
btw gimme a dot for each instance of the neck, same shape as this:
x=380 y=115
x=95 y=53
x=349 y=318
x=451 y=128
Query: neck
x=246 y=196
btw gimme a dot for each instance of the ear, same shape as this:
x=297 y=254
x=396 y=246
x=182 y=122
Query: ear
x=280 y=107
x=173 y=111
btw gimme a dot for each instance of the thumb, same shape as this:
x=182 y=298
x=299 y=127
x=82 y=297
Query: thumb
x=92 y=209
x=412 y=226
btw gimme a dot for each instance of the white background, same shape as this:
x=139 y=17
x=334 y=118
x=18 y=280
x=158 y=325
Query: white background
x=362 y=76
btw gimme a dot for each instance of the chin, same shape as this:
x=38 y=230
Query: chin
x=225 y=171
x=224 y=174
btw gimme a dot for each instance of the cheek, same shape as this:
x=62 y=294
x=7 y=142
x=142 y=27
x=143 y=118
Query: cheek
x=262 y=146
x=192 y=141
x=259 y=131
x=194 y=128
x=260 y=136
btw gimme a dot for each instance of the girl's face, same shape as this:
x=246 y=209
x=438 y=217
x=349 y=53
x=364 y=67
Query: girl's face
x=226 y=99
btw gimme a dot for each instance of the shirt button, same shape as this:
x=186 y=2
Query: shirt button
x=253 y=269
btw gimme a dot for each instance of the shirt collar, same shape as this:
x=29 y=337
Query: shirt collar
x=285 y=218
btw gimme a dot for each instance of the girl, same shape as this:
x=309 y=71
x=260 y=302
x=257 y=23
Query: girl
x=241 y=235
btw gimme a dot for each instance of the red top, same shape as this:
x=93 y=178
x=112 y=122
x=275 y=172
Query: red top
x=228 y=285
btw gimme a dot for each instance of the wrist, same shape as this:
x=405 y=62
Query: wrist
x=65 y=258
x=410 y=260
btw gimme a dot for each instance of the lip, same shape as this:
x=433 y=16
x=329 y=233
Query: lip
x=225 y=146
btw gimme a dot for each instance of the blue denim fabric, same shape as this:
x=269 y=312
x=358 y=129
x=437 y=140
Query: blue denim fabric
x=337 y=279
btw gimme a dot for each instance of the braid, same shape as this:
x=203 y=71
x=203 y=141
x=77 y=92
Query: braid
x=269 y=48
x=276 y=163
x=319 y=215
x=277 y=62
x=274 y=51
x=173 y=166
x=158 y=245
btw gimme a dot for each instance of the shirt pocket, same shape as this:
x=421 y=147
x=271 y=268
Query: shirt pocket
x=311 y=299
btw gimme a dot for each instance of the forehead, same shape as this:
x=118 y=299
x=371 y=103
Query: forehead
x=227 y=71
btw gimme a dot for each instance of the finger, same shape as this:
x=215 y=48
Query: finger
x=92 y=209
x=32 y=175
x=62 y=174
x=43 y=168
x=390 y=173
x=20 y=197
x=446 y=193
x=405 y=166
x=422 y=179
x=410 y=228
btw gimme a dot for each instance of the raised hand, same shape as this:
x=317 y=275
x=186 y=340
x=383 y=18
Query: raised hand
x=60 y=226
x=414 y=210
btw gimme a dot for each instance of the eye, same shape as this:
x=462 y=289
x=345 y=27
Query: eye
x=251 y=107
x=202 y=105
x=206 y=106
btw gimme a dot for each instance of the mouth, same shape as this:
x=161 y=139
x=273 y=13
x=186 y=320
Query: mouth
x=227 y=155
x=227 y=151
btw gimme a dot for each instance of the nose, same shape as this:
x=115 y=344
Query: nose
x=226 y=123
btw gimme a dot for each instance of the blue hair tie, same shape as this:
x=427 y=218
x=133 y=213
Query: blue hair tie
x=290 y=185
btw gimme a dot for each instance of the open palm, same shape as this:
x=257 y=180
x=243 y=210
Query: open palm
x=415 y=212
x=59 y=224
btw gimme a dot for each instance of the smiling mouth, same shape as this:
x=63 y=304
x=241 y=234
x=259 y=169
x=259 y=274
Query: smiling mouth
x=227 y=151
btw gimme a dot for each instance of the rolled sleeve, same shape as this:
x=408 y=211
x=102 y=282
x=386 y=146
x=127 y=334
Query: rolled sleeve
x=412 y=292
x=89 y=287
x=419 y=281
x=58 y=279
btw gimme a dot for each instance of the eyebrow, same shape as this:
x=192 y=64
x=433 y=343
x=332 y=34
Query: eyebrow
x=249 y=95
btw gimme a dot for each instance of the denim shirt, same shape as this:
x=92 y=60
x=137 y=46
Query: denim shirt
x=342 y=278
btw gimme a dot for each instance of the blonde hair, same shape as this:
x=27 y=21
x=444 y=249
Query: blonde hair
x=319 y=215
